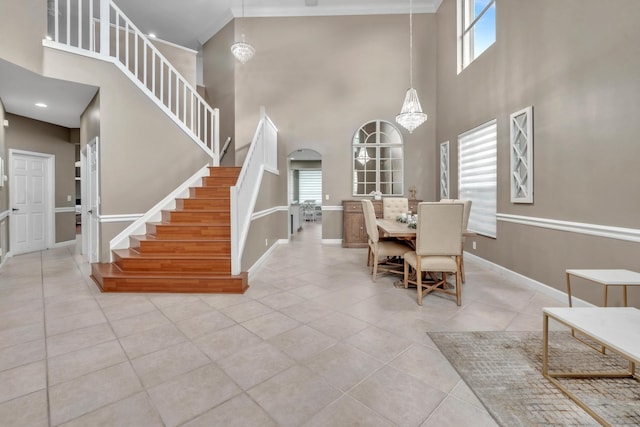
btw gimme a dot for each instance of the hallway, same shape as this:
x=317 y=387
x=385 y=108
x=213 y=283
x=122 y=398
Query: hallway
x=312 y=342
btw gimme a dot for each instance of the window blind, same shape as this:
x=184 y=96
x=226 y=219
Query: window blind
x=477 y=166
x=310 y=185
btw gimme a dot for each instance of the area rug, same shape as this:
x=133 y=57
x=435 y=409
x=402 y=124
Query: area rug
x=504 y=370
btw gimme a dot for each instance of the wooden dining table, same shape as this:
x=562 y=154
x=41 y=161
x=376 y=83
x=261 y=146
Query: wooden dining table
x=397 y=230
x=401 y=231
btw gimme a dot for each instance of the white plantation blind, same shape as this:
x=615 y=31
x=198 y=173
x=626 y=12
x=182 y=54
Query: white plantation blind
x=477 y=167
x=310 y=185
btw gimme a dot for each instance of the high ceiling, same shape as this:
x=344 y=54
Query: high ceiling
x=188 y=23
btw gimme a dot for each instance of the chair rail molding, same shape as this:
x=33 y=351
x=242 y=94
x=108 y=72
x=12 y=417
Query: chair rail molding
x=619 y=233
x=267 y=212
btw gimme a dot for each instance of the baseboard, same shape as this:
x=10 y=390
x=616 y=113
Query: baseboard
x=547 y=290
x=63 y=244
x=331 y=241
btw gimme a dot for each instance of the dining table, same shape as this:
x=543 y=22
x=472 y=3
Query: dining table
x=391 y=228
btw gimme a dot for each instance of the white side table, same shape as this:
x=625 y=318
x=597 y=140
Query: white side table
x=615 y=328
x=605 y=278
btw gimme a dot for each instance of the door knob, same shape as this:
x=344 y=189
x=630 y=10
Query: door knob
x=15 y=209
x=90 y=211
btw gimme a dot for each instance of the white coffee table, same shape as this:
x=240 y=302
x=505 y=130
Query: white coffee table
x=615 y=328
x=605 y=278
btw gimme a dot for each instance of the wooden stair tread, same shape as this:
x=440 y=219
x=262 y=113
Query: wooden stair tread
x=112 y=270
x=153 y=238
x=222 y=223
x=133 y=254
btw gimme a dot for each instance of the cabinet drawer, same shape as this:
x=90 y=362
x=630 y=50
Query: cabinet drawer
x=413 y=205
x=353 y=207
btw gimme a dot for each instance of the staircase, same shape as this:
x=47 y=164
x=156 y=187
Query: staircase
x=188 y=251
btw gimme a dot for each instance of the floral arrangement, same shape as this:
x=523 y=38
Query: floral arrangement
x=410 y=220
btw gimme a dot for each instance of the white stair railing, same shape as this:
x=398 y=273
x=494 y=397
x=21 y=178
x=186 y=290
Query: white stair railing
x=262 y=155
x=100 y=27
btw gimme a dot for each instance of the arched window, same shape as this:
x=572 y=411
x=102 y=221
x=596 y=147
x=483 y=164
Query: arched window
x=378 y=160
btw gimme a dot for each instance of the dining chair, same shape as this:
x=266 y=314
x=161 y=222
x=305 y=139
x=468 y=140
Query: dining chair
x=465 y=225
x=309 y=210
x=381 y=250
x=392 y=207
x=438 y=249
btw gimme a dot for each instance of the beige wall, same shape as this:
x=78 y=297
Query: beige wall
x=33 y=135
x=218 y=78
x=264 y=232
x=90 y=121
x=576 y=63
x=143 y=154
x=321 y=78
x=182 y=59
x=22 y=29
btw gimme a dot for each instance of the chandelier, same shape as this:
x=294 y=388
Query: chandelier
x=363 y=156
x=411 y=115
x=242 y=50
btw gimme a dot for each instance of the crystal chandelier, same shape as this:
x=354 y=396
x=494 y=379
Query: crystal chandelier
x=242 y=50
x=363 y=156
x=411 y=115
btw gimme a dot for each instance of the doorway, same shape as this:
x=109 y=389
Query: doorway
x=90 y=201
x=305 y=194
x=31 y=194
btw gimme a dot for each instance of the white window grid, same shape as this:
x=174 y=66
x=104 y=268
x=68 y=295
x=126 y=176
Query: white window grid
x=378 y=160
x=471 y=18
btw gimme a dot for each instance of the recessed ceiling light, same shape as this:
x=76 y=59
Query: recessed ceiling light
x=152 y=35
x=41 y=105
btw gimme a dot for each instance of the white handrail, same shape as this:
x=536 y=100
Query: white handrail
x=262 y=155
x=111 y=33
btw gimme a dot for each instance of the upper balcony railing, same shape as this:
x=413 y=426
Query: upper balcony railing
x=100 y=27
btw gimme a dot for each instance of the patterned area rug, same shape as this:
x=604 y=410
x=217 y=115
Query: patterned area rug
x=504 y=369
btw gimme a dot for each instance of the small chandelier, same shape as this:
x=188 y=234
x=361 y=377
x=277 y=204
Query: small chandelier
x=242 y=50
x=363 y=156
x=411 y=115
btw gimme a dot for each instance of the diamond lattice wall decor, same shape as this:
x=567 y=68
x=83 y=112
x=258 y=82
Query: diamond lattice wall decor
x=444 y=170
x=521 y=131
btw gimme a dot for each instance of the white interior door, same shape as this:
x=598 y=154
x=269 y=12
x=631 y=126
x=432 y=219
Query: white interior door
x=91 y=203
x=31 y=198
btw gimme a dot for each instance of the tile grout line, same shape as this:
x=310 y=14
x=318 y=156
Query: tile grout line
x=46 y=347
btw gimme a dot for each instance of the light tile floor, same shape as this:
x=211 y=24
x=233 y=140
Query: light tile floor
x=313 y=342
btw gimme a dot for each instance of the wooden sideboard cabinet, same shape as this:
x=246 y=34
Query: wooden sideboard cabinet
x=413 y=205
x=354 y=232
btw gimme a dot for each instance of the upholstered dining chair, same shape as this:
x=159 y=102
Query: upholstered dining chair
x=438 y=248
x=392 y=207
x=380 y=250
x=465 y=226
